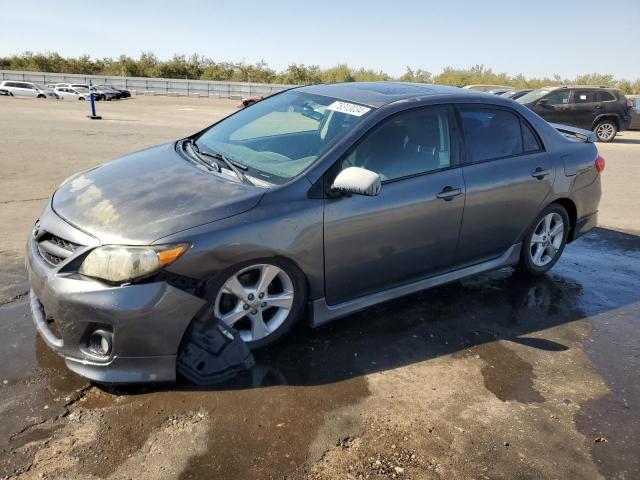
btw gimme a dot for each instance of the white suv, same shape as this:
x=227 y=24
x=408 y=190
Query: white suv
x=23 y=89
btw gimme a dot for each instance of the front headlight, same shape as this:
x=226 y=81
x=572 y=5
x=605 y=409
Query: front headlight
x=118 y=263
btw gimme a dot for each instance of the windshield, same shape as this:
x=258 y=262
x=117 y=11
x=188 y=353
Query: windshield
x=533 y=96
x=279 y=137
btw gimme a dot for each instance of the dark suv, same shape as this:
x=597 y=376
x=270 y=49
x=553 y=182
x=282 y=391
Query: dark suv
x=603 y=110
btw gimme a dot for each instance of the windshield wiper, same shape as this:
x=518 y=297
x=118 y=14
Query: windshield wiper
x=234 y=166
x=211 y=166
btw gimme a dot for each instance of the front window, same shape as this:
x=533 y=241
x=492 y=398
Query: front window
x=533 y=96
x=280 y=136
x=410 y=143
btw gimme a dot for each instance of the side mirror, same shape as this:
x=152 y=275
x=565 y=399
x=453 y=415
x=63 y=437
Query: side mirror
x=358 y=181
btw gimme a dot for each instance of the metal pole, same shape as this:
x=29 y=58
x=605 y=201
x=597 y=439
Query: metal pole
x=93 y=115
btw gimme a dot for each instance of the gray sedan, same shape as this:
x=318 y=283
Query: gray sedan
x=326 y=199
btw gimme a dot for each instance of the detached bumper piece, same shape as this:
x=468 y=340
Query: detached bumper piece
x=213 y=353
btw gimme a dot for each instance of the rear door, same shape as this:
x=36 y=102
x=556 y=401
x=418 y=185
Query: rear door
x=586 y=106
x=508 y=176
x=411 y=228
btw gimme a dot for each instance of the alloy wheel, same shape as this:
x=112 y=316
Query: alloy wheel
x=546 y=239
x=605 y=131
x=255 y=301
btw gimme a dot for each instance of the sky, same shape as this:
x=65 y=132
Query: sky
x=565 y=37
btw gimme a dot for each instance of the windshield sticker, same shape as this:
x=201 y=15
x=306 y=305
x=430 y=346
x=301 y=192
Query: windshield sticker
x=348 y=108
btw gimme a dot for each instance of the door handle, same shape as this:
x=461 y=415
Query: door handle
x=449 y=193
x=540 y=173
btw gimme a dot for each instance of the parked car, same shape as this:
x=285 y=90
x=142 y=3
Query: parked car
x=106 y=93
x=515 y=94
x=634 y=105
x=485 y=88
x=397 y=188
x=600 y=109
x=124 y=93
x=97 y=93
x=112 y=92
x=23 y=89
x=248 y=101
x=72 y=93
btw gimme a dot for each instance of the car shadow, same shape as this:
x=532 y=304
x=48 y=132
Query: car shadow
x=626 y=140
x=502 y=305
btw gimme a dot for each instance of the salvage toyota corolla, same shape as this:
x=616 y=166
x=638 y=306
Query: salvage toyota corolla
x=326 y=198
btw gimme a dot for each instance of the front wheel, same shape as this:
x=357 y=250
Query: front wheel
x=260 y=300
x=545 y=241
x=605 y=130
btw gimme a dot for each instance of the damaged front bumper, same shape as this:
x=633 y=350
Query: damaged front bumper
x=145 y=322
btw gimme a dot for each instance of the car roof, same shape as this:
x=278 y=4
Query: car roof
x=378 y=94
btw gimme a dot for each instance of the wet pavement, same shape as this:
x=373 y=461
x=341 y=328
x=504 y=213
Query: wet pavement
x=308 y=397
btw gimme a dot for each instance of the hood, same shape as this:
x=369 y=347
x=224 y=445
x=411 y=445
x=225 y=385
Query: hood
x=147 y=195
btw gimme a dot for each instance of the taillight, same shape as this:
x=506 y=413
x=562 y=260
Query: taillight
x=599 y=163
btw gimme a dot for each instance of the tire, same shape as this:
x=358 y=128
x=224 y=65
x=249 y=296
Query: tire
x=249 y=103
x=605 y=130
x=226 y=306
x=41 y=96
x=81 y=99
x=541 y=249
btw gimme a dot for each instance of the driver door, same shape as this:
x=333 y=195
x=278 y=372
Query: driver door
x=555 y=107
x=410 y=230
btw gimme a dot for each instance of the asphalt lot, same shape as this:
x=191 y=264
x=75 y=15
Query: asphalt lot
x=496 y=377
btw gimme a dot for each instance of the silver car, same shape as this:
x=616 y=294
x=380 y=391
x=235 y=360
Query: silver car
x=323 y=199
x=23 y=89
x=72 y=93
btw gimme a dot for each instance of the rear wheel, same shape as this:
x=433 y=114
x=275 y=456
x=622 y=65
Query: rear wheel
x=260 y=300
x=545 y=241
x=605 y=130
x=41 y=96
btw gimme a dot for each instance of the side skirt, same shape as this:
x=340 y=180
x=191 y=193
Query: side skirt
x=321 y=312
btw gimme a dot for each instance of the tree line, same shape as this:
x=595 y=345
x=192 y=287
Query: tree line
x=196 y=67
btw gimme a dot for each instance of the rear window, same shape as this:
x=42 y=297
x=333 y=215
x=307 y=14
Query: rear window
x=606 y=96
x=586 y=96
x=495 y=133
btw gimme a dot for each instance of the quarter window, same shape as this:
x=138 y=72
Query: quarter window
x=410 y=143
x=529 y=139
x=493 y=133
